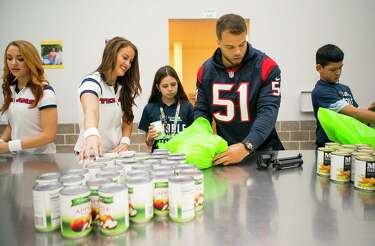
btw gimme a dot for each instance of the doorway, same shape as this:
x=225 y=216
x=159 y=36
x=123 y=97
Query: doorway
x=191 y=42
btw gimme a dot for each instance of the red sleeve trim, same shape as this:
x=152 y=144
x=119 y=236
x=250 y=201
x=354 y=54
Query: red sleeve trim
x=200 y=74
x=267 y=66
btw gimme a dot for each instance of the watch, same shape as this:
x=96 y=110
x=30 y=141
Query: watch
x=249 y=146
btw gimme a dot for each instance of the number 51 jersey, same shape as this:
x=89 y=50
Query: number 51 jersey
x=244 y=101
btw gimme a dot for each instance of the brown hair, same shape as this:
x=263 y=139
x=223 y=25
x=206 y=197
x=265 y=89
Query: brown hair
x=34 y=64
x=131 y=87
x=233 y=23
x=159 y=76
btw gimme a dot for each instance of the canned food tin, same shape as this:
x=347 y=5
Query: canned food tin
x=163 y=169
x=185 y=168
x=151 y=162
x=75 y=208
x=94 y=168
x=72 y=180
x=140 y=199
x=340 y=166
x=348 y=146
x=46 y=201
x=45 y=178
x=180 y=158
x=161 y=151
x=142 y=167
x=161 y=202
x=141 y=156
x=128 y=165
x=352 y=165
x=323 y=166
x=137 y=173
x=94 y=185
x=116 y=168
x=114 y=210
x=168 y=163
x=198 y=178
x=361 y=145
x=158 y=156
x=181 y=198
x=82 y=172
x=126 y=154
x=365 y=173
x=366 y=151
x=346 y=150
x=114 y=176
x=332 y=144
x=111 y=155
x=105 y=160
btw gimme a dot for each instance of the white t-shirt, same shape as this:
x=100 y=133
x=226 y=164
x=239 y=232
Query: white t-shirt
x=110 y=112
x=25 y=121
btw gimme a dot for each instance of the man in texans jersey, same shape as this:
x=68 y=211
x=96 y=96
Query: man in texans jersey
x=239 y=88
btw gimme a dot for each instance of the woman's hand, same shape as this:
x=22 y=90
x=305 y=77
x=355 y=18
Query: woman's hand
x=91 y=148
x=120 y=148
x=151 y=135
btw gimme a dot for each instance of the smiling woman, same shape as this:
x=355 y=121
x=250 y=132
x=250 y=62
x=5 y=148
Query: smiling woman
x=27 y=95
x=107 y=97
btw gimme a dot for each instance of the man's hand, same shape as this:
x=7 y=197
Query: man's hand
x=235 y=154
x=4 y=147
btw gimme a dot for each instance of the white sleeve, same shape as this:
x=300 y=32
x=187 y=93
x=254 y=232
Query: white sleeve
x=90 y=85
x=49 y=98
x=339 y=105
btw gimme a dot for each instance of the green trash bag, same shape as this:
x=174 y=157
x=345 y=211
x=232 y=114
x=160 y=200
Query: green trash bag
x=344 y=129
x=198 y=143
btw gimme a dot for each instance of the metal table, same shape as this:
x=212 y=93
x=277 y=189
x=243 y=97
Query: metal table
x=244 y=206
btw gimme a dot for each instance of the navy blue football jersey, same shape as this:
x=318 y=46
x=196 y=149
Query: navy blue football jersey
x=333 y=96
x=151 y=113
x=244 y=101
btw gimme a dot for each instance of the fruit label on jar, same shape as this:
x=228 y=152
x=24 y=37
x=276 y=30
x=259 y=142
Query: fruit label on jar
x=140 y=201
x=161 y=203
x=199 y=191
x=75 y=212
x=114 y=213
x=46 y=199
x=181 y=198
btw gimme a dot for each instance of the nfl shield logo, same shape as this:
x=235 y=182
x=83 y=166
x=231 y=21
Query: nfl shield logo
x=231 y=74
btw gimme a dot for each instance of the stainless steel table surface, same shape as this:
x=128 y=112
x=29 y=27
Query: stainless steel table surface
x=243 y=206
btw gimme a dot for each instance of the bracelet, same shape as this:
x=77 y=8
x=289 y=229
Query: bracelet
x=125 y=140
x=15 y=145
x=92 y=131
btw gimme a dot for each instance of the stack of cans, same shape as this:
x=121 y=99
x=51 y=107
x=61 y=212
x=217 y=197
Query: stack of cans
x=115 y=190
x=348 y=163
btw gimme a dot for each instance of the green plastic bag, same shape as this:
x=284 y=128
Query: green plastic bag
x=344 y=129
x=198 y=143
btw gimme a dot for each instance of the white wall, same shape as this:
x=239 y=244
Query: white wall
x=290 y=31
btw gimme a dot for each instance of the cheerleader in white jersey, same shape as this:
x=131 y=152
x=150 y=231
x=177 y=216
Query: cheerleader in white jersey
x=29 y=102
x=107 y=97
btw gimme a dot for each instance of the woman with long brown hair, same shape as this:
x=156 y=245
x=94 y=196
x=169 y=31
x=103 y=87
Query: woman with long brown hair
x=107 y=97
x=29 y=102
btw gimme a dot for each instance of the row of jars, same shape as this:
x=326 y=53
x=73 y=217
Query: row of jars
x=109 y=192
